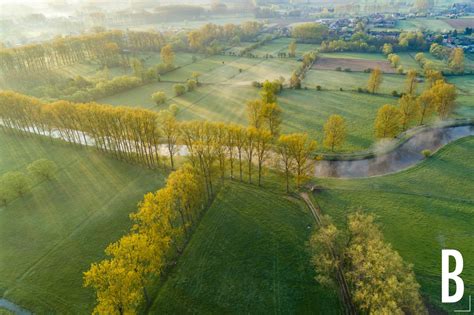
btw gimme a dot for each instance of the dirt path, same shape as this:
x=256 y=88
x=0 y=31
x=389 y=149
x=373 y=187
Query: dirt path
x=343 y=287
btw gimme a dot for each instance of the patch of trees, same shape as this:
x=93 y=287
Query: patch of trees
x=208 y=38
x=105 y=47
x=438 y=98
x=139 y=136
x=310 y=32
x=16 y=184
x=378 y=279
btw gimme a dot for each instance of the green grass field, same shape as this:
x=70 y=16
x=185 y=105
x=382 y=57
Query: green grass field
x=334 y=80
x=53 y=233
x=424 y=24
x=422 y=210
x=248 y=255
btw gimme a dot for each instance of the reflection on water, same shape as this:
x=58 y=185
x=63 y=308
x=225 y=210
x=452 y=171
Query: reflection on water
x=406 y=155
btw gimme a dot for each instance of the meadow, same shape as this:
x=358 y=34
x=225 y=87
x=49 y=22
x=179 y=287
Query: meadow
x=248 y=255
x=53 y=233
x=421 y=210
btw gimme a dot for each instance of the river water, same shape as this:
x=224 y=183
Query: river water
x=402 y=157
x=12 y=307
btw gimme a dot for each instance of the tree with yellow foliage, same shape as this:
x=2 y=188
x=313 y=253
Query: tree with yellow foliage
x=409 y=110
x=334 y=132
x=167 y=55
x=380 y=282
x=262 y=148
x=250 y=142
x=254 y=113
x=300 y=148
x=375 y=80
x=411 y=82
x=456 y=60
x=118 y=288
x=271 y=115
x=387 y=122
x=283 y=149
x=426 y=104
x=292 y=49
x=444 y=98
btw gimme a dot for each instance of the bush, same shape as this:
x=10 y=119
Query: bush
x=256 y=84
x=191 y=85
x=360 y=90
x=158 y=97
x=347 y=70
x=340 y=89
x=400 y=70
x=42 y=169
x=368 y=70
x=318 y=87
x=6 y=193
x=395 y=93
x=179 y=89
x=173 y=109
x=426 y=153
x=16 y=182
x=338 y=69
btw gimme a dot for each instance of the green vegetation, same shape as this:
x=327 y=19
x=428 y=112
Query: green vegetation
x=248 y=254
x=422 y=210
x=52 y=234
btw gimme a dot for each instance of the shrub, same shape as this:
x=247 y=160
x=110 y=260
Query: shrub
x=400 y=70
x=179 y=89
x=173 y=109
x=158 y=97
x=338 y=69
x=395 y=93
x=368 y=70
x=16 y=182
x=318 y=87
x=340 y=89
x=6 y=193
x=191 y=85
x=347 y=70
x=360 y=90
x=426 y=153
x=256 y=84
x=42 y=169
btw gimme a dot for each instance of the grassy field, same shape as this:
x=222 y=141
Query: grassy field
x=53 y=233
x=334 y=80
x=424 y=24
x=422 y=210
x=248 y=255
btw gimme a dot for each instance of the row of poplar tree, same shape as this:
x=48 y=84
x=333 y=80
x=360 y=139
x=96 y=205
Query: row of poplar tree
x=108 y=44
x=160 y=230
x=149 y=138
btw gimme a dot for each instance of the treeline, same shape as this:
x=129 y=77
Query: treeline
x=161 y=228
x=298 y=75
x=362 y=42
x=103 y=46
x=148 y=138
x=110 y=46
x=438 y=98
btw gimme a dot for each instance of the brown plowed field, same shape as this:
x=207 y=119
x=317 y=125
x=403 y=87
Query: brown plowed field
x=353 y=64
x=460 y=23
